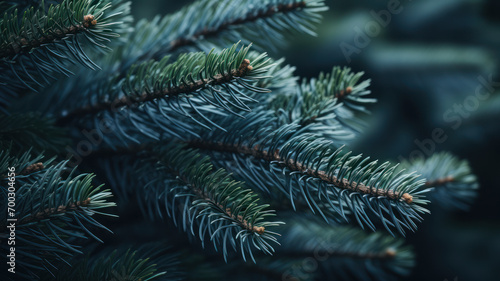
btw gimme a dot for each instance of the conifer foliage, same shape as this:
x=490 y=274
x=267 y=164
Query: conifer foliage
x=185 y=121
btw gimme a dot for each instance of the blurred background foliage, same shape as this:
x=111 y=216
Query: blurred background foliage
x=424 y=64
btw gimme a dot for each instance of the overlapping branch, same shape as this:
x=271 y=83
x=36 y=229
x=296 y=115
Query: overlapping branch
x=205 y=201
x=45 y=41
x=307 y=167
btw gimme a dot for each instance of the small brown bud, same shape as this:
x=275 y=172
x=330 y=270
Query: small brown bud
x=390 y=253
x=408 y=198
x=259 y=229
x=33 y=168
x=89 y=20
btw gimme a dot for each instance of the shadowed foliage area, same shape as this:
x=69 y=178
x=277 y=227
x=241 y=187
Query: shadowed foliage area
x=248 y=140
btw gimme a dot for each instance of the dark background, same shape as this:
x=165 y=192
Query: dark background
x=423 y=64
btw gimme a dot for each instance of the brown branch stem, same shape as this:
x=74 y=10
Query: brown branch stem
x=243 y=222
x=440 y=181
x=208 y=32
x=297 y=166
x=124 y=101
x=25 y=45
x=75 y=206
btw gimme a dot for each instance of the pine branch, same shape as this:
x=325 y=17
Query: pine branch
x=219 y=23
x=248 y=18
x=27 y=43
x=344 y=252
x=20 y=162
x=159 y=100
x=155 y=119
x=312 y=250
x=210 y=202
x=327 y=105
x=105 y=86
x=45 y=41
x=154 y=38
x=454 y=185
x=54 y=210
x=278 y=79
x=190 y=74
x=302 y=165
